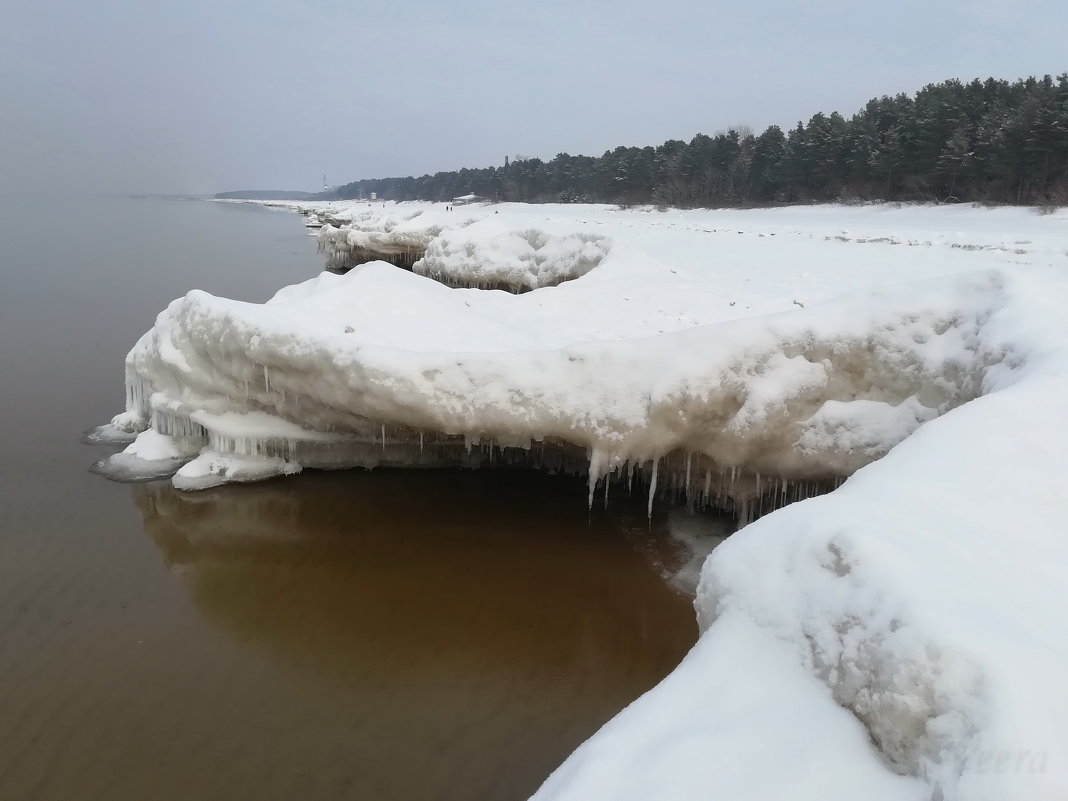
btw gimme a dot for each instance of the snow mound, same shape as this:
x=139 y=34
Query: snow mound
x=737 y=719
x=210 y=469
x=739 y=412
x=517 y=261
x=150 y=456
x=347 y=247
x=922 y=599
x=349 y=238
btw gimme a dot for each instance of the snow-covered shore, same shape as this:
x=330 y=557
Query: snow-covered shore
x=919 y=609
x=901 y=637
x=647 y=358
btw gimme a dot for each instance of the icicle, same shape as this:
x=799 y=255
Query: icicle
x=420 y=442
x=689 y=462
x=652 y=486
x=266 y=379
x=596 y=468
x=383 y=438
x=708 y=484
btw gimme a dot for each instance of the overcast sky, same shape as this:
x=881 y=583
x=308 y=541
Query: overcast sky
x=203 y=96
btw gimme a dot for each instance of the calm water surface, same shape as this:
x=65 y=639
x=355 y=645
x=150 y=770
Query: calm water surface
x=352 y=635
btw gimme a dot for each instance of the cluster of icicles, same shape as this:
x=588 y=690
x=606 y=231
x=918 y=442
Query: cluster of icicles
x=679 y=476
x=343 y=259
x=347 y=247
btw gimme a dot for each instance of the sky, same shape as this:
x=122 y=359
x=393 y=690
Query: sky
x=200 y=97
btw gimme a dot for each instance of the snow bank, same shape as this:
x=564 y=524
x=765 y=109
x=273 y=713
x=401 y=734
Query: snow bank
x=439 y=245
x=738 y=719
x=735 y=409
x=517 y=261
x=357 y=235
x=924 y=598
x=150 y=455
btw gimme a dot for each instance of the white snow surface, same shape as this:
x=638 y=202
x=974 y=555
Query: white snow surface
x=900 y=638
x=925 y=597
x=512 y=260
x=151 y=446
x=211 y=469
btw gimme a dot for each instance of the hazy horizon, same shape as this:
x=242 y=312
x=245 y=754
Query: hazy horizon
x=199 y=98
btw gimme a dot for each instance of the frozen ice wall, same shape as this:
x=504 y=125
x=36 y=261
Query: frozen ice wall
x=734 y=412
x=361 y=234
x=516 y=261
x=637 y=370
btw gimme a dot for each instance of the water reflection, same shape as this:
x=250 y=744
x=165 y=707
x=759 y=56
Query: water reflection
x=469 y=629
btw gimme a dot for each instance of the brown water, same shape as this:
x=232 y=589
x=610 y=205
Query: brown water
x=354 y=635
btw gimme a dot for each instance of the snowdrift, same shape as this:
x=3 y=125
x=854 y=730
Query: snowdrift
x=899 y=638
x=516 y=261
x=354 y=236
x=918 y=607
x=737 y=410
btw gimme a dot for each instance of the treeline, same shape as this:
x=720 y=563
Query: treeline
x=980 y=141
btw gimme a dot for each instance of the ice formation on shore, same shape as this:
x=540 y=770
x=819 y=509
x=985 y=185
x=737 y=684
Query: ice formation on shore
x=352 y=237
x=380 y=366
x=900 y=638
x=734 y=410
x=918 y=608
x=489 y=256
x=516 y=261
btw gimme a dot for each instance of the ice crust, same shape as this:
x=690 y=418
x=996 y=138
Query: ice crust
x=899 y=638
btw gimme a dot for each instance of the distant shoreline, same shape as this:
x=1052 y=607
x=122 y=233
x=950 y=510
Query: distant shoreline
x=264 y=194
